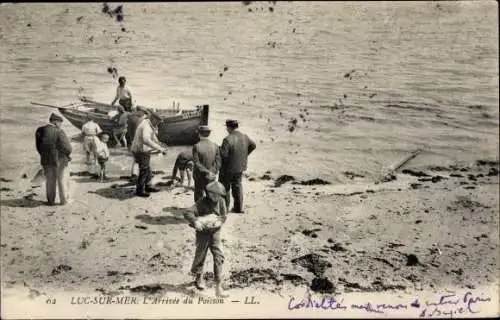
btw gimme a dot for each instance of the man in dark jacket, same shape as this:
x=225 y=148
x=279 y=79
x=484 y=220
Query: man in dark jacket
x=55 y=149
x=207 y=162
x=234 y=152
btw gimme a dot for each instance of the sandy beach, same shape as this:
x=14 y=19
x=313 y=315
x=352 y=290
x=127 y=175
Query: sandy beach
x=429 y=229
x=333 y=93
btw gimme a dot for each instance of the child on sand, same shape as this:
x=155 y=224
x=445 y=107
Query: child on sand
x=102 y=153
x=207 y=216
x=90 y=130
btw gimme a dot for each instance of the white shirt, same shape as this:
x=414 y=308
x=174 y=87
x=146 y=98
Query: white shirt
x=91 y=128
x=112 y=114
x=101 y=149
x=123 y=93
x=145 y=139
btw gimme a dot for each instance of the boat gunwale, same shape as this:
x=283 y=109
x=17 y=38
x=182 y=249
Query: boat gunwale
x=185 y=115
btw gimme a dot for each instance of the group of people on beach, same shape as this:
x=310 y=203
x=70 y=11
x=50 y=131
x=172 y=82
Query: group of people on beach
x=204 y=165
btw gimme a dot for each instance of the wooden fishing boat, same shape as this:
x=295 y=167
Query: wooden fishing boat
x=178 y=127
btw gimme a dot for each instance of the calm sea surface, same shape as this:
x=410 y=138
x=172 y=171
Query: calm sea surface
x=425 y=75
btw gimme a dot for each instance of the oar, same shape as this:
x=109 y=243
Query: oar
x=52 y=106
x=88 y=100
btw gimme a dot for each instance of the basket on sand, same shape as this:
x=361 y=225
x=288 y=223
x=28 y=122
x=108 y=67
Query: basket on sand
x=210 y=222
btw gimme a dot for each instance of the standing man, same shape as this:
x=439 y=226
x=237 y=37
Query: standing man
x=207 y=162
x=234 y=152
x=144 y=143
x=55 y=149
x=123 y=95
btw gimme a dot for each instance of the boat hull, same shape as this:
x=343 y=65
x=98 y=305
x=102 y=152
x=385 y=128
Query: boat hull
x=176 y=128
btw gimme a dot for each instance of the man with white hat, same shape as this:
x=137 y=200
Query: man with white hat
x=55 y=149
x=207 y=216
x=207 y=162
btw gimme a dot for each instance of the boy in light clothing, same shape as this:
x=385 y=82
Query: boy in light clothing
x=90 y=130
x=102 y=153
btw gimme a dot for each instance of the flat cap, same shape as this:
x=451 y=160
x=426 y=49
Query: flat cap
x=55 y=117
x=232 y=123
x=216 y=187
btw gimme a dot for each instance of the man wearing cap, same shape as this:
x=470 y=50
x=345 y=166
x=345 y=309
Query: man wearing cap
x=208 y=233
x=235 y=149
x=145 y=142
x=55 y=149
x=207 y=162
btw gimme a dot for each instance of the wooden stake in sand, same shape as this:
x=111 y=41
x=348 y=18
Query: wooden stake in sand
x=398 y=165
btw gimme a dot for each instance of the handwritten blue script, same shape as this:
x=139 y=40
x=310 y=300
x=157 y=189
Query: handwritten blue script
x=325 y=303
x=451 y=304
x=448 y=304
x=332 y=303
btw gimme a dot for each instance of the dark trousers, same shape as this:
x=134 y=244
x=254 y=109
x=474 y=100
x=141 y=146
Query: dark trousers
x=233 y=181
x=208 y=240
x=200 y=182
x=143 y=159
x=56 y=177
x=126 y=104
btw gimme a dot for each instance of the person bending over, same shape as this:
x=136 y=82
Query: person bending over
x=184 y=164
